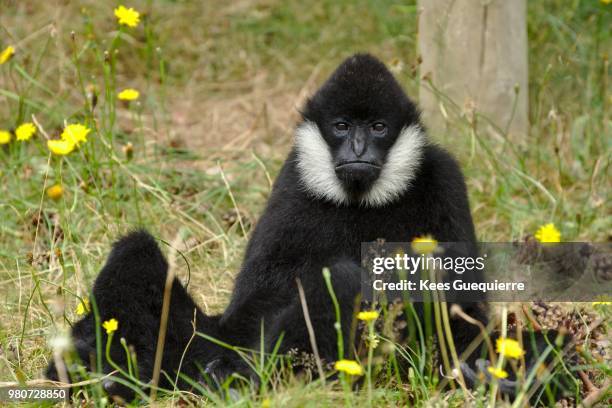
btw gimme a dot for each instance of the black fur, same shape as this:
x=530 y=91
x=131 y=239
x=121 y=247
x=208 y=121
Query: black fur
x=296 y=236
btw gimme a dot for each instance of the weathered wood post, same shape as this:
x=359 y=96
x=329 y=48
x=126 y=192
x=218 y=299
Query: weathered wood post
x=474 y=53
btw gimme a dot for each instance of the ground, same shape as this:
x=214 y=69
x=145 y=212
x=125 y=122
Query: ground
x=221 y=85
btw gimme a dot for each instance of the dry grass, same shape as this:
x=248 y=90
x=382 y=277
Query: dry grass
x=234 y=77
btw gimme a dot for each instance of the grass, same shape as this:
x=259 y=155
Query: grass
x=221 y=85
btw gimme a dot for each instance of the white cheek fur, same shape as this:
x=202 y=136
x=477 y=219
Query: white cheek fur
x=315 y=165
x=317 y=173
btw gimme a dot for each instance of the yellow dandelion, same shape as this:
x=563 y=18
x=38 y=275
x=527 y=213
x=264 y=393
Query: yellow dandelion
x=548 y=233
x=25 y=131
x=509 y=348
x=75 y=133
x=7 y=54
x=128 y=94
x=110 y=325
x=350 y=367
x=83 y=307
x=606 y=1
x=368 y=316
x=424 y=245
x=5 y=137
x=601 y=303
x=127 y=16
x=497 y=372
x=55 y=192
x=60 y=147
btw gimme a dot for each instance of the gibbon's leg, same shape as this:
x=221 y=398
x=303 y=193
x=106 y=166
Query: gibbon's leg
x=346 y=281
x=84 y=341
x=130 y=289
x=291 y=323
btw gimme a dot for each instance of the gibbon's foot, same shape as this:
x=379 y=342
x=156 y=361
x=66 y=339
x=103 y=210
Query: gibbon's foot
x=473 y=378
x=223 y=369
x=118 y=392
x=130 y=289
x=555 y=345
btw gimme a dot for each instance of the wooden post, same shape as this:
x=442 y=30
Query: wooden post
x=474 y=53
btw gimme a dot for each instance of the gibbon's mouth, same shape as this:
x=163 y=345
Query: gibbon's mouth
x=357 y=175
x=357 y=164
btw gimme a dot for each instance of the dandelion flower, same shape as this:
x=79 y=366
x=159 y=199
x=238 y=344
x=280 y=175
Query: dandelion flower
x=60 y=147
x=350 y=367
x=497 y=372
x=110 y=325
x=83 y=307
x=5 y=137
x=75 y=133
x=509 y=348
x=60 y=342
x=424 y=245
x=368 y=316
x=548 y=233
x=127 y=16
x=7 y=54
x=128 y=94
x=601 y=303
x=25 y=131
x=55 y=192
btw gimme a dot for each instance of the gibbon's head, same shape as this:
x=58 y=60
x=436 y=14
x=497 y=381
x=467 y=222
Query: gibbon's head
x=360 y=141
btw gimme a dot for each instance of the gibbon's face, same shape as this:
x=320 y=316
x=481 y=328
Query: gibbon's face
x=360 y=142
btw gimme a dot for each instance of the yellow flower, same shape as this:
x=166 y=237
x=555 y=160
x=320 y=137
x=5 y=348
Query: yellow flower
x=509 y=348
x=349 y=366
x=25 y=131
x=111 y=325
x=602 y=303
x=497 y=372
x=606 y=1
x=128 y=94
x=5 y=137
x=7 y=54
x=75 y=133
x=548 y=233
x=55 y=192
x=127 y=16
x=424 y=245
x=60 y=147
x=83 y=307
x=368 y=316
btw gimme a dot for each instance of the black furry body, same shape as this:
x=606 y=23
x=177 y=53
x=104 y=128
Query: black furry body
x=285 y=245
x=287 y=242
x=332 y=195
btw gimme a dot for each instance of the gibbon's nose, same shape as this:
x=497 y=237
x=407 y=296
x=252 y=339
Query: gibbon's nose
x=358 y=144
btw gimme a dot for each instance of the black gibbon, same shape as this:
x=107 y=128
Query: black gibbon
x=361 y=169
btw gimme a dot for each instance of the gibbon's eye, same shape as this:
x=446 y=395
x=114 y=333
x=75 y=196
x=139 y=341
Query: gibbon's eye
x=341 y=127
x=379 y=128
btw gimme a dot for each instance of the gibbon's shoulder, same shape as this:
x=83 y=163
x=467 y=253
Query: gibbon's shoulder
x=439 y=168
